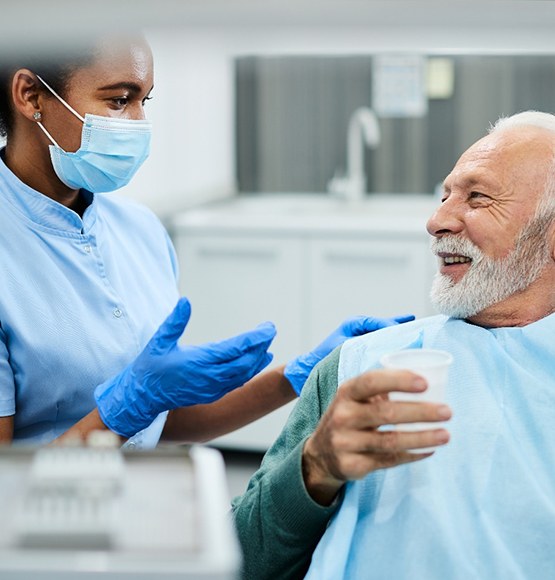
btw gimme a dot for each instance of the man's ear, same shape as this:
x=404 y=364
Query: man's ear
x=27 y=95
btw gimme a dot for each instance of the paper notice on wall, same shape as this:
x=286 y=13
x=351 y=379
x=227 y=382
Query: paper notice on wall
x=399 y=86
x=440 y=78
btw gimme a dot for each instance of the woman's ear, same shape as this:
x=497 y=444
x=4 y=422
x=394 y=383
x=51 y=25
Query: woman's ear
x=26 y=94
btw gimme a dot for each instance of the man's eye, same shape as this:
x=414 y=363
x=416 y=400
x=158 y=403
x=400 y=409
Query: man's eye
x=147 y=99
x=477 y=195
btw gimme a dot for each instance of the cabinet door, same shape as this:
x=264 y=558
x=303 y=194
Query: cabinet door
x=235 y=282
x=378 y=277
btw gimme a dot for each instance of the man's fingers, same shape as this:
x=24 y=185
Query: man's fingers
x=397 y=441
x=387 y=441
x=380 y=381
x=379 y=450
x=379 y=411
x=348 y=438
x=359 y=453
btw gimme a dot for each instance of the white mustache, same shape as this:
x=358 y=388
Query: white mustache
x=454 y=245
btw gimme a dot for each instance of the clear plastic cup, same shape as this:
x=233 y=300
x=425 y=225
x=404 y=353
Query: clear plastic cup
x=432 y=365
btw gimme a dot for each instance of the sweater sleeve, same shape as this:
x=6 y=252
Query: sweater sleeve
x=278 y=523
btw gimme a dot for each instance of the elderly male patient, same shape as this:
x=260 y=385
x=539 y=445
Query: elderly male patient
x=338 y=497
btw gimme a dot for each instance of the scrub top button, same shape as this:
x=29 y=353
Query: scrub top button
x=117 y=313
x=87 y=249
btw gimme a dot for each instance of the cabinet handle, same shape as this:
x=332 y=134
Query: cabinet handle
x=381 y=259
x=237 y=253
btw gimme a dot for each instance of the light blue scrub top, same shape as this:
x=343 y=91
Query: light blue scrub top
x=79 y=299
x=481 y=507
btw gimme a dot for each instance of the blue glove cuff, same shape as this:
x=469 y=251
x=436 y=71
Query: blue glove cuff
x=118 y=411
x=297 y=370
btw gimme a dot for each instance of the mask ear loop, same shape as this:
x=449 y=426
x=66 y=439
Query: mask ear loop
x=52 y=140
x=67 y=105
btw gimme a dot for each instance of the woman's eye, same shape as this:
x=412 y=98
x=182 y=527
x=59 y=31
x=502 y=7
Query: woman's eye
x=120 y=101
x=146 y=99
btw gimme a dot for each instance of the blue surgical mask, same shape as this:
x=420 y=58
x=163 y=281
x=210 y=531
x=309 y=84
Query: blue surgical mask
x=111 y=151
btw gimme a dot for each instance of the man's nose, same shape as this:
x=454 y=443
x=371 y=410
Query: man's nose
x=447 y=219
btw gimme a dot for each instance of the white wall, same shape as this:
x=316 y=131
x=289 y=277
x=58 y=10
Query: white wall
x=193 y=151
x=192 y=112
x=194 y=42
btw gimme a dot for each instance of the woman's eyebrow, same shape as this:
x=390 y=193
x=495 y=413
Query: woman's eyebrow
x=130 y=86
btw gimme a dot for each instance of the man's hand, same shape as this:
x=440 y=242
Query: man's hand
x=347 y=444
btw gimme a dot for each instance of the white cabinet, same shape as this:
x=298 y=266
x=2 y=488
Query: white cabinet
x=370 y=276
x=304 y=270
x=235 y=282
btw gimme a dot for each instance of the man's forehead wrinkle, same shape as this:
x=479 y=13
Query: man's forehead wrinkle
x=470 y=173
x=499 y=160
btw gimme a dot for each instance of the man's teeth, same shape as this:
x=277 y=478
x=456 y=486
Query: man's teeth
x=456 y=259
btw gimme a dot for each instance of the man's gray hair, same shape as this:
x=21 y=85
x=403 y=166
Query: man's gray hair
x=525 y=119
x=546 y=203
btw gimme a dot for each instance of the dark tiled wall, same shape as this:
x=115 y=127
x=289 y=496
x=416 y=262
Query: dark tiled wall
x=292 y=115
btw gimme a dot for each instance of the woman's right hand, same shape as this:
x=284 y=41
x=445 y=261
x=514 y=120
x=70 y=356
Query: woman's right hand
x=166 y=376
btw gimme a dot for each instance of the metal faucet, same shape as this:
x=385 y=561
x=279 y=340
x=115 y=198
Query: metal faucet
x=363 y=128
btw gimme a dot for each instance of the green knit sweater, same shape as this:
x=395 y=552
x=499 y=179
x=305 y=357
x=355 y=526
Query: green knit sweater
x=278 y=523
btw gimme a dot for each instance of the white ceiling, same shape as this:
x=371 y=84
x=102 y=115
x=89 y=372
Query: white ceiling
x=28 y=16
x=448 y=24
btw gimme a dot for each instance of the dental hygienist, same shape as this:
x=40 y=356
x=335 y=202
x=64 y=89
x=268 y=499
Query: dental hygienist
x=89 y=309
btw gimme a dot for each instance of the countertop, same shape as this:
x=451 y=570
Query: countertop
x=310 y=214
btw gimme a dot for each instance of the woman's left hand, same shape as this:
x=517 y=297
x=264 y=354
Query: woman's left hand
x=298 y=369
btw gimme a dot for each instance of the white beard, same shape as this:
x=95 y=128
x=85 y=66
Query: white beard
x=488 y=280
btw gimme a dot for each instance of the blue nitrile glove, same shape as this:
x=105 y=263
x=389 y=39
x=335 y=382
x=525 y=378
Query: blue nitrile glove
x=298 y=369
x=166 y=376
